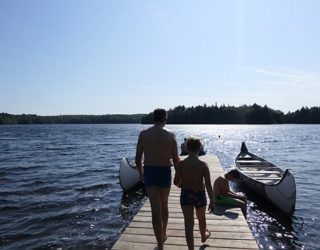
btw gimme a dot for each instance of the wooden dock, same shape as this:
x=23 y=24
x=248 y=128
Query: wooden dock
x=229 y=229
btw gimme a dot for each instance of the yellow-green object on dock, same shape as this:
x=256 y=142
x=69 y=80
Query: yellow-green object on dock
x=229 y=229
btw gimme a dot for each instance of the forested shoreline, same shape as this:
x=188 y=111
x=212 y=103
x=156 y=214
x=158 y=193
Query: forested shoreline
x=253 y=114
x=6 y=118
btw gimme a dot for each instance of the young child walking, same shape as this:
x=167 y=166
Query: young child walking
x=193 y=176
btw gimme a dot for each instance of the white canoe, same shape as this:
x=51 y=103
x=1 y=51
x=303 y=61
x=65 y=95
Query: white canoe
x=267 y=180
x=129 y=175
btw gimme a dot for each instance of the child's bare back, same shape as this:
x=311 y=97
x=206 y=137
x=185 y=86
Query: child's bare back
x=220 y=186
x=192 y=172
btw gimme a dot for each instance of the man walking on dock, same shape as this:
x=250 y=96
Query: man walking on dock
x=159 y=148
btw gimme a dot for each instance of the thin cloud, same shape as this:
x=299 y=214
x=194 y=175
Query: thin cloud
x=275 y=73
x=288 y=77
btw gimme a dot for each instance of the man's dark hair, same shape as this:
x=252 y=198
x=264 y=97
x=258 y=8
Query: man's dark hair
x=159 y=115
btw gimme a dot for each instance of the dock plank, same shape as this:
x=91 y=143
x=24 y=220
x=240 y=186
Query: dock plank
x=229 y=229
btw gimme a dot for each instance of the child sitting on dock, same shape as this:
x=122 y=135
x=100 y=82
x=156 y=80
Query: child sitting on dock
x=224 y=196
x=193 y=176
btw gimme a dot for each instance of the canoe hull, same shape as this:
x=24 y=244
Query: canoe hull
x=284 y=191
x=128 y=175
x=281 y=191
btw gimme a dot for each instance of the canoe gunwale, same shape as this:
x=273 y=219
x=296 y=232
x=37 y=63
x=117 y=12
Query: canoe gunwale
x=283 y=176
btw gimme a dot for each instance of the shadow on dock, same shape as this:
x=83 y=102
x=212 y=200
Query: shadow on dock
x=220 y=210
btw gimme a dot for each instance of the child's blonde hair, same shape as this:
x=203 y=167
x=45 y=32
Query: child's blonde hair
x=193 y=144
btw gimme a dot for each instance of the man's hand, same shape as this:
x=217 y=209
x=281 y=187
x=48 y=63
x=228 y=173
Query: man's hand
x=141 y=177
x=141 y=173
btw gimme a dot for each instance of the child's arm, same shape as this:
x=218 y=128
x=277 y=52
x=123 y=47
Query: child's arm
x=232 y=194
x=207 y=180
x=237 y=196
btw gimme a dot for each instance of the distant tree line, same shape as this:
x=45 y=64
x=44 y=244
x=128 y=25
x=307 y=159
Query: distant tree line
x=254 y=114
x=68 y=119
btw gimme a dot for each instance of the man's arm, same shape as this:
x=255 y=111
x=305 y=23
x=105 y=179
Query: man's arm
x=138 y=158
x=177 y=176
x=174 y=153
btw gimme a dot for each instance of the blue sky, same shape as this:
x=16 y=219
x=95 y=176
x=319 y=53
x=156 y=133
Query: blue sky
x=108 y=57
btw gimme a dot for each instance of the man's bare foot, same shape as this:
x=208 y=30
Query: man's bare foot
x=207 y=235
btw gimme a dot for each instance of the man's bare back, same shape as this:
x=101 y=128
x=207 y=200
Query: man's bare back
x=159 y=146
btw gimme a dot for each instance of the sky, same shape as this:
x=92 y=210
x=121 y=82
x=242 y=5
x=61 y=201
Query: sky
x=127 y=57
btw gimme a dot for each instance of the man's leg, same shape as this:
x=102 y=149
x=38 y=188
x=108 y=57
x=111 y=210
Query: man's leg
x=164 y=210
x=154 y=195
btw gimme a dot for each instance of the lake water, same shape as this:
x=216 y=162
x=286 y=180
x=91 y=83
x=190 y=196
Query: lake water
x=59 y=185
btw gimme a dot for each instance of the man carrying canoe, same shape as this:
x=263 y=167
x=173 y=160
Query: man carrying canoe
x=159 y=148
